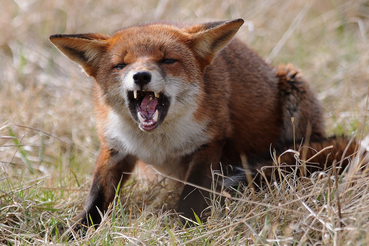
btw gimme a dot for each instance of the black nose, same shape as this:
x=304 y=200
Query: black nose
x=142 y=78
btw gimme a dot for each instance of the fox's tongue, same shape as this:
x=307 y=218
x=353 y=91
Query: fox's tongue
x=148 y=106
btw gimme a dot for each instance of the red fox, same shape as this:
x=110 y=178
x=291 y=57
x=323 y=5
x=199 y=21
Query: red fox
x=189 y=99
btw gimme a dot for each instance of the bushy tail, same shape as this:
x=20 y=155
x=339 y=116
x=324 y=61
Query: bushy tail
x=317 y=155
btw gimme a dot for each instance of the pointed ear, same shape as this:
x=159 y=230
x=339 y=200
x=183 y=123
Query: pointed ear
x=84 y=49
x=208 y=39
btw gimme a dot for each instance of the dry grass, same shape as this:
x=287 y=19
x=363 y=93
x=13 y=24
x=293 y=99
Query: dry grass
x=48 y=143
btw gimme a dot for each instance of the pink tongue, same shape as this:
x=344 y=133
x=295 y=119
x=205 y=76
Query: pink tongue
x=148 y=105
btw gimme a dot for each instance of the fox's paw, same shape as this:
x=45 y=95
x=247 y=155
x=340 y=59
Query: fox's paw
x=76 y=231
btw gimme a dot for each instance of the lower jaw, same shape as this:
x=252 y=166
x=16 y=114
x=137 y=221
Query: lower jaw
x=148 y=128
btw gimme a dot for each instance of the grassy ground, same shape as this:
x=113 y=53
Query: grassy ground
x=48 y=143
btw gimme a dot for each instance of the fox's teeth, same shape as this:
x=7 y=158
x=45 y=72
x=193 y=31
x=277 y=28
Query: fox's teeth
x=140 y=118
x=135 y=94
x=156 y=115
x=156 y=95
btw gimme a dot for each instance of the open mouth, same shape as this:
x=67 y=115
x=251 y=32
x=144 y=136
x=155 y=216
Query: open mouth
x=148 y=108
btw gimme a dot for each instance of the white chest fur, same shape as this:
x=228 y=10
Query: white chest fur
x=163 y=147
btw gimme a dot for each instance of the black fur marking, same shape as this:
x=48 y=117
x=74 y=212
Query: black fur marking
x=80 y=36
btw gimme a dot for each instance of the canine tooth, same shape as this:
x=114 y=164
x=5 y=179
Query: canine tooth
x=156 y=115
x=140 y=118
x=156 y=95
x=135 y=94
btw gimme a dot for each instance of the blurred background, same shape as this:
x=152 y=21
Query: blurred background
x=47 y=127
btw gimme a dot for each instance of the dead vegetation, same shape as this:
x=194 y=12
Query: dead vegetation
x=48 y=143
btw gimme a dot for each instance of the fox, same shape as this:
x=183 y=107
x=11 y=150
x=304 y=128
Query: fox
x=190 y=100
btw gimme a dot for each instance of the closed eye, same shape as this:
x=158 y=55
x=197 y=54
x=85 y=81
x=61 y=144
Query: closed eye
x=168 y=61
x=120 y=66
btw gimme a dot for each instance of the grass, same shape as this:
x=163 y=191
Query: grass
x=48 y=141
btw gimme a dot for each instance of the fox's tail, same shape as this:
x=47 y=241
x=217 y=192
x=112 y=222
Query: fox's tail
x=333 y=153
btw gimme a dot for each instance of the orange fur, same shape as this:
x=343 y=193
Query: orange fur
x=187 y=99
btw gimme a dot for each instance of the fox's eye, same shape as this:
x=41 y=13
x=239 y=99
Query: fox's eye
x=120 y=66
x=168 y=61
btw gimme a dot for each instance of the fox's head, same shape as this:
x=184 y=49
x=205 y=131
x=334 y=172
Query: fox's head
x=153 y=69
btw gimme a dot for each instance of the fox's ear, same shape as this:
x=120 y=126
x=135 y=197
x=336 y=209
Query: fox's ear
x=208 y=39
x=84 y=49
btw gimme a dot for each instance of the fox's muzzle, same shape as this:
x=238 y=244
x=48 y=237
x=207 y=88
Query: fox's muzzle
x=142 y=78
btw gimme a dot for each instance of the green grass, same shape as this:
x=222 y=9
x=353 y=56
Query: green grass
x=48 y=141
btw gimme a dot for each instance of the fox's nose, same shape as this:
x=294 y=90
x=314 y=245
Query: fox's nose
x=142 y=78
